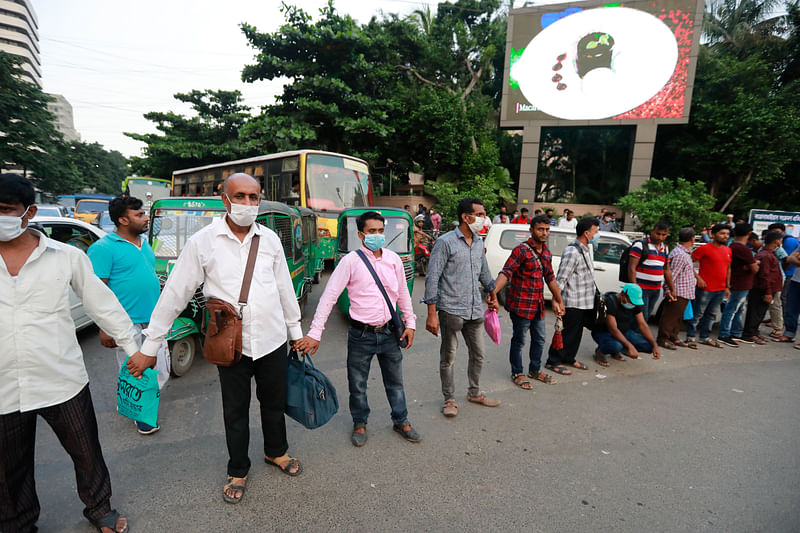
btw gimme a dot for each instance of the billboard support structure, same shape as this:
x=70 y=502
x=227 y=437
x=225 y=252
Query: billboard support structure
x=599 y=64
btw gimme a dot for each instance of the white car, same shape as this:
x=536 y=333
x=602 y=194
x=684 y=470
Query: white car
x=502 y=238
x=80 y=235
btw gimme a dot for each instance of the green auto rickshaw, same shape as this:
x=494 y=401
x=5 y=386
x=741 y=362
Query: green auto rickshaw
x=287 y=223
x=316 y=259
x=174 y=220
x=399 y=233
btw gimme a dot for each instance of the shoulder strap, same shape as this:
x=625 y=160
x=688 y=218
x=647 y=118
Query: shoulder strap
x=248 y=270
x=586 y=261
x=535 y=256
x=378 y=282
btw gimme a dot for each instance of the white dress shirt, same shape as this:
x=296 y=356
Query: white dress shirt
x=216 y=258
x=41 y=363
x=570 y=224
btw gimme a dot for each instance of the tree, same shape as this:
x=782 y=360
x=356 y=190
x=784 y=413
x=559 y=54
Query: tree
x=211 y=136
x=26 y=125
x=97 y=168
x=336 y=97
x=680 y=203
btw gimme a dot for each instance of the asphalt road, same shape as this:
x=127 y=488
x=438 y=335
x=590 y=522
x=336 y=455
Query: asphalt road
x=699 y=441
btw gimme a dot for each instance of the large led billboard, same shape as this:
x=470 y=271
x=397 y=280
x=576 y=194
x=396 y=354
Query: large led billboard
x=614 y=62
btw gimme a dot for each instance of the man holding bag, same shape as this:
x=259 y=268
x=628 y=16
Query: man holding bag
x=372 y=329
x=126 y=263
x=216 y=257
x=526 y=271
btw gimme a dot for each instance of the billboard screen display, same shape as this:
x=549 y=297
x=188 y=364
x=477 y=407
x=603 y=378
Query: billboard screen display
x=616 y=61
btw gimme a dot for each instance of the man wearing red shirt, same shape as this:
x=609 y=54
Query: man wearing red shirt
x=768 y=282
x=522 y=218
x=713 y=284
x=527 y=269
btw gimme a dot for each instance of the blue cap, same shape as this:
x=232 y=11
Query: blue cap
x=634 y=293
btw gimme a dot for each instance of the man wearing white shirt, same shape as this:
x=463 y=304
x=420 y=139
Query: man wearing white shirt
x=568 y=221
x=216 y=257
x=41 y=365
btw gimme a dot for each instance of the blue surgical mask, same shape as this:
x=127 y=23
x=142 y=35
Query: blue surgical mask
x=595 y=241
x=628 y=305
x=374 y=241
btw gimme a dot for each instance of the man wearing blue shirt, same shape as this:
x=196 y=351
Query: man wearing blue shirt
x=126 y=263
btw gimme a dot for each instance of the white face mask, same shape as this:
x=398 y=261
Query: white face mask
x=11 y=227
x=477 y=225
x=242 y=215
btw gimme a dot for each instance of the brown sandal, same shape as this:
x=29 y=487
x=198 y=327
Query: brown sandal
x=520 y=381
x=541 y=376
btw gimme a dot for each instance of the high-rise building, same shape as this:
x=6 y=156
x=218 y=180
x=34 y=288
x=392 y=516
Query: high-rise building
x=19 y=35
x=62 y=109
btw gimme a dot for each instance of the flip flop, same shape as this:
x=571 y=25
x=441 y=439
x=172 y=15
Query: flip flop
x=691 y=344
x=797 y=346
x=783 y=338
x=669 y=345
x=109 y=521
x=680 y=344
x=711 y=342
x=579 y=366
x=287 y=468
x=229 y=485
x=558 y=369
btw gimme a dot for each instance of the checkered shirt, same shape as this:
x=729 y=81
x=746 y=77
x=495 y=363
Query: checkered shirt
x=680 y=263
x=574 y=278
x=526 y=280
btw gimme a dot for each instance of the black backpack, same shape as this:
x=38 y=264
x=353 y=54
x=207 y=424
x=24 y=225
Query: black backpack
x=625 y=258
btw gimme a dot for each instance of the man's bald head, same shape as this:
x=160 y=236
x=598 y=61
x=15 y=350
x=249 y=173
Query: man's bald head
x=240 y=178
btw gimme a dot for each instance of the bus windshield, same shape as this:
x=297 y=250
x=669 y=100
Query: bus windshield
x=139 y=188
x=335 y=182
x=173 y=227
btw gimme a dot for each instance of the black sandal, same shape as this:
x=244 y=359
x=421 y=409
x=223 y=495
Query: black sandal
x=110 y=521
x=287 y=468
x=230 y=486
x=558 y=369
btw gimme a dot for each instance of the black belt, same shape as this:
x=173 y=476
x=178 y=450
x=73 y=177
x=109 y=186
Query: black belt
x=369 y=327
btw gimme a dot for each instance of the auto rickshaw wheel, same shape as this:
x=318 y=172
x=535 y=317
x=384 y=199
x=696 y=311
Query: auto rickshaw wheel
x=181 y=353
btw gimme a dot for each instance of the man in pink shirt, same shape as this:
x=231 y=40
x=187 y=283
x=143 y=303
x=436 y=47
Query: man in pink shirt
x=371 y=328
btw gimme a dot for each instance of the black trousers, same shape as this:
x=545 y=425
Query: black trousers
x=756 y=308
x=270 y=374
x=75 y=425
x=574 y=320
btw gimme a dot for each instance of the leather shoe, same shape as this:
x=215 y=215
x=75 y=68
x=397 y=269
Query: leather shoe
x=358 y=438
x=408 y=433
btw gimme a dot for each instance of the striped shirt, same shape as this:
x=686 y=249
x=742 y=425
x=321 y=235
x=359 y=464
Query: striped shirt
x=680 y=263
x=575 y=278
x=650 y=270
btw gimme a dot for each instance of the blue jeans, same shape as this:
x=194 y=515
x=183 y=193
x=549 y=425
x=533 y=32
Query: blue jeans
x=732 y=322
x=521 y=327
x=792 y=310
x=650 y=297
x=705 y=307
x=608 y=345
x=361 y=346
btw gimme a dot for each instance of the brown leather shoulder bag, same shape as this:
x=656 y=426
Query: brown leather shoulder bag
x=223 y=342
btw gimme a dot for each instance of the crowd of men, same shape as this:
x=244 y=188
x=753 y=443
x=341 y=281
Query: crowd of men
x=120 y=292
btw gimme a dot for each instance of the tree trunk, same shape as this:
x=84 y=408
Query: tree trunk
x=736 y=191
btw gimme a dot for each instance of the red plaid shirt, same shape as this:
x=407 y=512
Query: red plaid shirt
x=526 y=280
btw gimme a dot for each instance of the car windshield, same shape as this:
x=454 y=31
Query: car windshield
x=105 y=219
x=335 y=182
x=91 y=206
x=172 y=228
x=396 y=232
x=47 y=211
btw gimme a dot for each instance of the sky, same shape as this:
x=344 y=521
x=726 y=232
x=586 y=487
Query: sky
x=115 y=61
